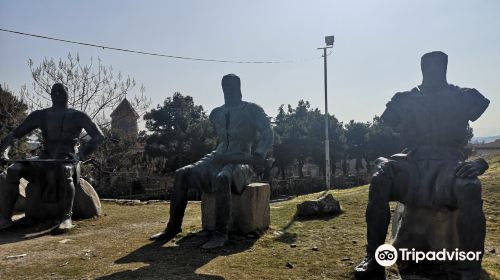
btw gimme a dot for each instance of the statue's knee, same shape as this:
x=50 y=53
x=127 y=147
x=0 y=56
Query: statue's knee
x=65 y=176
x=67 y=183
x=385 y=174
x=379 y=162
x=380 y=180
x=380 y=187
x=223 y=178
x=182 y=172
x=66 y=172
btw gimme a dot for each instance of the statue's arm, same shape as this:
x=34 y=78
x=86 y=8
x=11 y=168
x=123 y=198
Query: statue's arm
x=31 y=123
x=96 y=137
x=475 y=103
x=392 y=116
x=211 y=118
x=263 y=125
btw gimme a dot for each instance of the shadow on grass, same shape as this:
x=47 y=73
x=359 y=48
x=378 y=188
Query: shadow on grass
x=290 y=238
x=24 y=229
x=176 y=262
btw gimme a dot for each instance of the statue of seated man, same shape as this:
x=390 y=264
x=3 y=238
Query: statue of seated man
x=433 y=122
x=238 y=125
x=60 y=127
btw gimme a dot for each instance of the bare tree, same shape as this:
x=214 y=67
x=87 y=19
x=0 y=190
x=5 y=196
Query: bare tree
x=93 y=87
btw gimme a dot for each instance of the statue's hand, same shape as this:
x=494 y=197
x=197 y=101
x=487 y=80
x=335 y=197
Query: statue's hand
x=471 y=169
x=260 y=165
x=76 y=157
x=258 y=156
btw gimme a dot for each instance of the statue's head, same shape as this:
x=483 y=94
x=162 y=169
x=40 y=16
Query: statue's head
x=434 y=66
x=231 y=86
x=59 y=95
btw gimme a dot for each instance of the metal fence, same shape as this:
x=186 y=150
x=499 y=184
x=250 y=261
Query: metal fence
x=300 y=186
x=130 y=186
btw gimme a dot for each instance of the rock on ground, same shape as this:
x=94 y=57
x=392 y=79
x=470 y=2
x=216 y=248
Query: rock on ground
x=324 y=206
x=87 y=203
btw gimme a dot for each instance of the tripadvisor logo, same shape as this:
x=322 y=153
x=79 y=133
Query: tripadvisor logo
x=387 y=255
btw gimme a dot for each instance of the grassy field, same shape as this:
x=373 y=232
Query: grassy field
x=116 y=245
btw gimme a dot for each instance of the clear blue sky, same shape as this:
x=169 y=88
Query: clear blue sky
x=377 y=51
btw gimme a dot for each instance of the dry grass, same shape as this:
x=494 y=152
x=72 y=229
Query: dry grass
x=115 y=246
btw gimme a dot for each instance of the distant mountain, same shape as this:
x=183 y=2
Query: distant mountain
x=484 y=139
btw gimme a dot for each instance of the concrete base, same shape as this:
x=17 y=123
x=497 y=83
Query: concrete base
x=424 y=229
x=250 y=210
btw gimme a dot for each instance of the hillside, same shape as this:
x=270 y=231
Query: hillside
x=485 y=139
x=116 y=245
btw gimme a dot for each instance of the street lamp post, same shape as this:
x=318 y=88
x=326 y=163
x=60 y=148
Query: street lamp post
x=329 y=44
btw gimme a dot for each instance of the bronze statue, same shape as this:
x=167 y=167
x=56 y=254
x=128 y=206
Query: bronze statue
x=238 y=124
x=58 y=166
x=432 y=172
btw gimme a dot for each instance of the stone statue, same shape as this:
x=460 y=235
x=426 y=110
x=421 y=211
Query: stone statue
x=238 y=125
x=57 y=170
x=432 y=172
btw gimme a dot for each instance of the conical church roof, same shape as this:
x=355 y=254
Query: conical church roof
x=124 y=109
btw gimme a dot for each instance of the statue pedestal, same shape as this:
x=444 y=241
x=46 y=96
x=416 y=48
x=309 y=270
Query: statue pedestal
x=425 y=230
x=250 y=209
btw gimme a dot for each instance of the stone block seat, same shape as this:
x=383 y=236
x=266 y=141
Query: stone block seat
x=250 y=209
x=425 y=230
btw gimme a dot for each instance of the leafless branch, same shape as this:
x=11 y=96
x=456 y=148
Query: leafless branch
x=93 y=87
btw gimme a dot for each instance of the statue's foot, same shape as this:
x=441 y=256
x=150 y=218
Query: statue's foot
x=165 y=236
x=65 y=226
x=203 y=233
x=368 y=268
x=217 y=240
x=5 y=223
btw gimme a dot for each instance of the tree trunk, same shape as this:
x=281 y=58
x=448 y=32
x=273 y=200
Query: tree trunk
x=333 y=167
x=282 y=172
x=369 y=167
x=359 y=164
x=300 y=165
x=345 y=167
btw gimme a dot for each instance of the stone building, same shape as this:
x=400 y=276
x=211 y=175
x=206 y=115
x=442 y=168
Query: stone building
x=124 y=120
